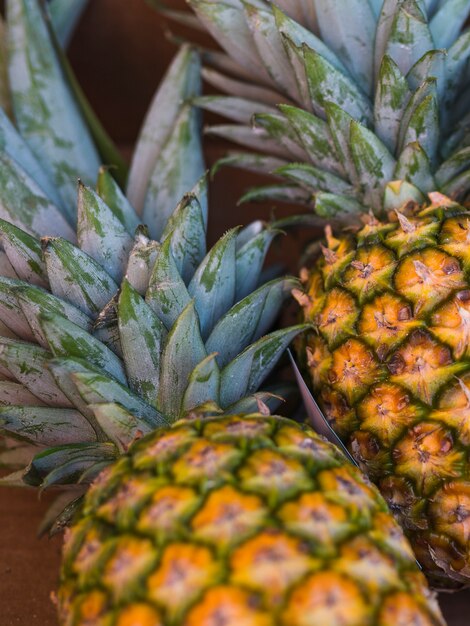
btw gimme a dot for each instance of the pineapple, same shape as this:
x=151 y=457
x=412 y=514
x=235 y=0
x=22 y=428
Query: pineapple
x=374 y=123
x=118 y=353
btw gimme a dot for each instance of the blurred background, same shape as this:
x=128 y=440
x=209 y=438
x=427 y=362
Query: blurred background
x=120 y=51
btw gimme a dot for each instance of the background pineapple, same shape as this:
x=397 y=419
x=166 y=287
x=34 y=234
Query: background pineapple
x=372 y=92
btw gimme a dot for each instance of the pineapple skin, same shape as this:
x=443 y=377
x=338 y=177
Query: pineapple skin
x=389 y=361
x=238 y=520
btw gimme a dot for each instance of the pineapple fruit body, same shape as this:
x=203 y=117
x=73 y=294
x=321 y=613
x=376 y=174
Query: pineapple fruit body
x=234 y=520
x=389 y=362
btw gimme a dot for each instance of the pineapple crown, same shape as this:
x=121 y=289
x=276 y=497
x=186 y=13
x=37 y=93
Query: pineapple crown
x=109 y=328
x=369 y=92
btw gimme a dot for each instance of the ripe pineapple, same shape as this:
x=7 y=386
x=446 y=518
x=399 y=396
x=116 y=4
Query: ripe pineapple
x=238 y=520
x=375 y=118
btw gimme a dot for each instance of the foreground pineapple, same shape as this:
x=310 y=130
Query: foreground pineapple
x=372 y=97
x=236 y=520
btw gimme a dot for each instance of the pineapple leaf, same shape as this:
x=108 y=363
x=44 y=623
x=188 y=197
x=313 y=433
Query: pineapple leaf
x=348 y=28
x=15 y=146
x=179 y=167
x=235 y=109
x=213 y=285
x=413 y=166
x=35 y=302
x=291 y=194
x=97 y=388
x=28 y=364
x=244 y=375
x=265 y=35
x=182 y=82
x=248 y=320
x=316 y=139
x=250 y=258
x=246 y=160
x=298 y=35
x=275 y=126
x=410 y=38
x=77 y=278
x=255 y=139
x=24 y=253
x=226 y=21
x=67 y=339
x=313 y=178
x=45 y=426
x=423 y=128
x=64 y=15
x=328 y=84
x=142 y=336
x=10 y=311
x=183 y=351
x=45 y=110
x=186 y=231
x=12 y=393
x=455 y=165
x=25 y=204
x=373 y=162
x=203 y=385
x=167 y=295
x=101 y=234
x=120 y=426
x=447 y=23
x=110 y=192
x=329 y=205
x=65 y=464
x=141 y=262
x=432 y=64
x=391 y=98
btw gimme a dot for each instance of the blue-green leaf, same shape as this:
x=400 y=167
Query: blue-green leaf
x=244 y=375
x=46 y=426
x=76 y=277
x=45 y=110
x=167 y=295
x=142 y=336
x=182 y=82
x=203 y=385
x=184 y=349
x=67 y=339
x=213 y=284
x=101 y=234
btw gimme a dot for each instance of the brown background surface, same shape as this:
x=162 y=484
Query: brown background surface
x=119 y=53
